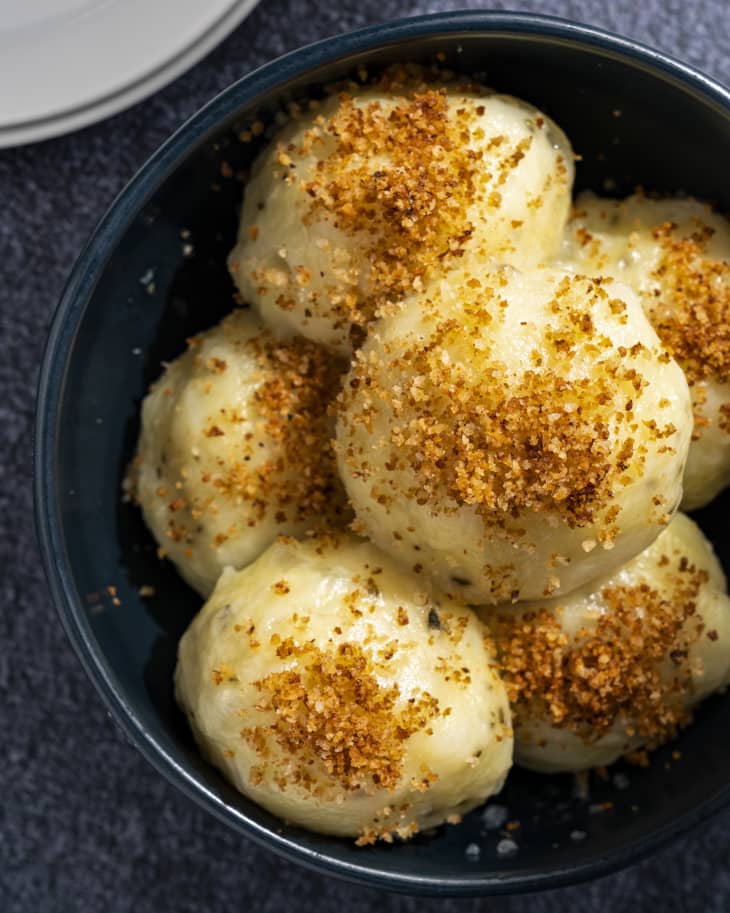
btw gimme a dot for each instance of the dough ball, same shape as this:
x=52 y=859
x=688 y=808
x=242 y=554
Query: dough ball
x=356 y=202
x=334 y=693
x=617 y=665
x=235 y=448
x=676 y=254
x=513 y=435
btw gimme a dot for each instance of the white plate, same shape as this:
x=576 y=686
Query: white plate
x=67 y=63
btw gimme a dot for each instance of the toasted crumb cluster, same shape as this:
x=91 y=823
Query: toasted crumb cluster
x=339 y=697
x=691 y=310
x=381 y=186
x=292 y=403
x=674 y=252
x=330 y=708
x=292 y=410
x=407 y=213
x=235 y=448
x=542 y=443
x=631 y=666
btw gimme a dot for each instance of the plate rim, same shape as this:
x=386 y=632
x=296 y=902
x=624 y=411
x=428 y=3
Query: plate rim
x=73 y=118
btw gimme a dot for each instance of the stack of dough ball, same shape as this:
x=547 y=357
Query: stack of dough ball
x=331 y=691
x=359 y=200
x=513 y=435
x=618 y=664
x=235 y=448
x=676 y=254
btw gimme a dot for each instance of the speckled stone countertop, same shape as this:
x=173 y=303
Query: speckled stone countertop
x=85 y=824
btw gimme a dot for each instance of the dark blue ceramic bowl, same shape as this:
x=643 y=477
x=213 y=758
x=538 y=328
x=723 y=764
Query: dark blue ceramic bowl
x=111 y=331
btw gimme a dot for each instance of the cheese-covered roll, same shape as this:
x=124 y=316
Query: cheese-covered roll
x=513 y=435
x=358 y=201
x=335 y=693
x=617 y=665
x=676 y=254
x=235 y=448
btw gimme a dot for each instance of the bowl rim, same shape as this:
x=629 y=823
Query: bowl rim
x=64 y=326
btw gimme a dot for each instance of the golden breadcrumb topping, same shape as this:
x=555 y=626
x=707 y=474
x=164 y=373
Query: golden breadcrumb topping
x=410 y=208
x=294 y=383
x=631 y=667
x=330 y=710
x=370 y=834
x=291 y=406
x=468 y=432
x=401 y=176
x=688 y=303
x=691 y=306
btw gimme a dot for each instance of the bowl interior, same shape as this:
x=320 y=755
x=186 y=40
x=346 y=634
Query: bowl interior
x=141 y=291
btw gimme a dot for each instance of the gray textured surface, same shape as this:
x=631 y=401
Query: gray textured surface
x=85 y=824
